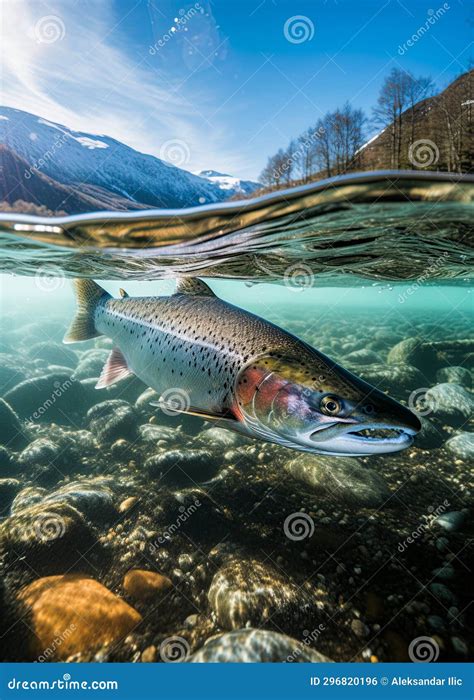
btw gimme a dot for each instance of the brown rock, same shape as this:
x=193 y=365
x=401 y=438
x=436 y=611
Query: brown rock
x=127 y=504
x=72 y=613
x=142 y=585
x=149 y=655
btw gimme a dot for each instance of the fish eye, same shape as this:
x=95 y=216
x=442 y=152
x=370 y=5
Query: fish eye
x=330 y=405
x=369 y=409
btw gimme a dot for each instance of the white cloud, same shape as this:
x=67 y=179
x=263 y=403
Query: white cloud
x=65 y=61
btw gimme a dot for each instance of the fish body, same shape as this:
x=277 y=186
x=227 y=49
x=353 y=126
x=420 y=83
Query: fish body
x=210 y=358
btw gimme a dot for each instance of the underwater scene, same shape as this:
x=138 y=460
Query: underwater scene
x=255 y=442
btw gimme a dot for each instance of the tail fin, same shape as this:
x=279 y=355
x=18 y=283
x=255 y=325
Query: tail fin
x=88 y=294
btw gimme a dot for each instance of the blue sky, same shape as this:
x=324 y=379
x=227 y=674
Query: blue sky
x=228 y=80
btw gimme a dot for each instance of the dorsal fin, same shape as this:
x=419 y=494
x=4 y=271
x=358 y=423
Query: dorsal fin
x=193 y=285
x=123 y=293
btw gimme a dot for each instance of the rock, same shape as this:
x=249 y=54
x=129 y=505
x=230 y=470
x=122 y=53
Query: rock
x=144 y=401
x=359 y=629
x=8 y=463
x=415 y=352
x=462 y=445
x=148 y=655
x=127 y=504
x=450 y=403
x=93 y=498
x=11 y=373
x=445 y=572
x=339 y=479
x=13 y=433
x=182 y=467
x=8 y=490
x=144 y=585
x=443 y=594
x=451 y=521
x=44 y=460
x=430 y=436
x=436 y=623
x=245 y=593
x=219 y=438
x=153 y=433
x=29 y=496
x=114 y=419
x=363 y=357
x=91 y=363
x=79 y=612
x=395 y=379
x=455 y=375
x=52 y=398
x=460 y=646
x=48 y=538
x=53 y=353
x=256 y=646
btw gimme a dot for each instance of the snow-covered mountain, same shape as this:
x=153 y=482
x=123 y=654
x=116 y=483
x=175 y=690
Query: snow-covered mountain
x=89 y=164
x=227 y=183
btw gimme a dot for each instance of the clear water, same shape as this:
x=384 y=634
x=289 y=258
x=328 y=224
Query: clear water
x=354 y=270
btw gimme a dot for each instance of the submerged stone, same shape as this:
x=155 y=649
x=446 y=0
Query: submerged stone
x=78 y=611
x=451 y=403
x=182 y=467
x=145 y=585
x=52 y=398
x=113 y=419
x=256 y=646
x=451 y=521
x=49 y=537
x=430 y=436
x=246 y=593
x=8 y=490
x=340 y=479
x=462 y=445
x=455 y=375
x=417 y=353
x=396 y=379
x=53 y=353
x=13 y=433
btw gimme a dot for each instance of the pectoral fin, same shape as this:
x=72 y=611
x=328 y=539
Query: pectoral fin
x=192 y=411
x=115 y=369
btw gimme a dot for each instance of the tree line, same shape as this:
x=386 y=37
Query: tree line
x=407 y=110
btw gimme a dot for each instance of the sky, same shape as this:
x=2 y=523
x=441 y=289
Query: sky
x=231 y=81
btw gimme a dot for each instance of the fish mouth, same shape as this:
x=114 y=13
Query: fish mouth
x=363 y=439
